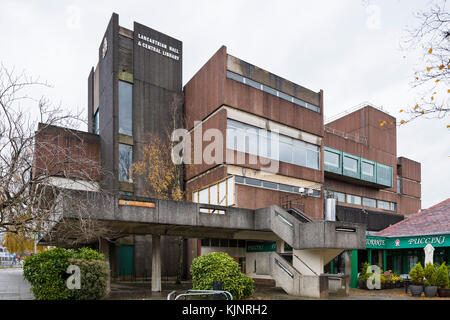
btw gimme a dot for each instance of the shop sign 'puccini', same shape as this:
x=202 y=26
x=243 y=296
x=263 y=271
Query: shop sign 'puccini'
x=407 y=242
x=158 y=47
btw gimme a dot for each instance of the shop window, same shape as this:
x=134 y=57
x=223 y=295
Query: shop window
x=97 y=122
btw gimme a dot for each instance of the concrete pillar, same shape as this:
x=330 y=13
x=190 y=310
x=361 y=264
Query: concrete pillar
x=280 y=246
x=348 y=269
x=156 y=263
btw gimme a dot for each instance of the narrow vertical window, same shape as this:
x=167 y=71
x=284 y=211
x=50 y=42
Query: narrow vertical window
x=96 y=122
x=125 y=160
x=125 y=108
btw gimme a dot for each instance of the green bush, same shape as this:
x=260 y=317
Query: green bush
x=46 y=272
x=442 y=280
x=221 y=267
x=94 y=279
x=364 y=275
x=417 y=274
x=430 y=275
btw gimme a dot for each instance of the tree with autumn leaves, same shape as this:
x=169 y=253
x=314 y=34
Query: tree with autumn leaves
x=162 y=178
x=432 y=78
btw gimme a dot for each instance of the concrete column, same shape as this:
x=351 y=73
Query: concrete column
x=348 y=269
x=280 y=246
x=156 y=263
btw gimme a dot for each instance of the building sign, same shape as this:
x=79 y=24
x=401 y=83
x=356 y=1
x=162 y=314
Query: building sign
x=261 y=246
x=158 y=47
x=136 y=203
x=375 y=243
x=407 y=242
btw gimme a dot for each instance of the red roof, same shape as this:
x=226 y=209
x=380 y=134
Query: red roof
x=434 y=220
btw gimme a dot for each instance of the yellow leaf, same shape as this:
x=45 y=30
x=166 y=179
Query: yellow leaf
x=401 y=110
x=432 y=98
x=441 y=67
x=428 y=68
x=437 y=80
x=448 y=91
x=448 y=126
x=430 y=51
x=422 y=112
x=402 y=121
x=416 y=107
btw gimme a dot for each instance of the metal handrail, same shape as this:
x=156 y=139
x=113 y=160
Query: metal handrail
x=192 y=292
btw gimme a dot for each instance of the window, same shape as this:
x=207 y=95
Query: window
x=253 y=182
x=270 y=185
x=399 y=185
x=339 y=196
x=125 y=160
x=331 y=158
x=350 y=164
x=384 y=205
x=246 y=138
x=282 y=95
x=284 y=187
x=220 y=193
x=368 y=202
x=125 y=108
x=353 y=199
x=96 y=122
x=393 y=206
x=367 y=169
x=384 y=175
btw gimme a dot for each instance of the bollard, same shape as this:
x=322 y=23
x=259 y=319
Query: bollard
x=217 y=285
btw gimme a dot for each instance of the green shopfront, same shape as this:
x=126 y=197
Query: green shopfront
x=399 y=254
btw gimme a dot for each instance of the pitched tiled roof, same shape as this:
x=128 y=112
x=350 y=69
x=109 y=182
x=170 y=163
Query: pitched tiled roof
x=434 y=220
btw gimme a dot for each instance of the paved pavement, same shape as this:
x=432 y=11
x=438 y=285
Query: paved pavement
x=13 y=286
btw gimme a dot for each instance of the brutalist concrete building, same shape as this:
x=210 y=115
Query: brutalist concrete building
x=291 y=198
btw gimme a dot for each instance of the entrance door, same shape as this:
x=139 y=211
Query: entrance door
x=126 y=261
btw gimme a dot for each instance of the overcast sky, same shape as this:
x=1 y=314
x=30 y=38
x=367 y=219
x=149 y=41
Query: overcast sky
x=350 y=49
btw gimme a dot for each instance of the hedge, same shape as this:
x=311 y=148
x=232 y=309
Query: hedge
x=46 y=272
x=221 y=267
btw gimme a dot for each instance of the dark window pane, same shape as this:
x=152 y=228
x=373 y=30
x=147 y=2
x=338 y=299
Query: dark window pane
x=125 y=108
x=224 y=243
x=253 y=84
x=235 y=76
x=285 y=96
x=96 y=122
x=205 y=242
x=270 y=185
x=241 y=243
x=253 y=182
x=299 y=102
x=215 y=242
x=284 y=187
x=238 y=179
x=125 y=160
x=270 y=90
x=233 y=243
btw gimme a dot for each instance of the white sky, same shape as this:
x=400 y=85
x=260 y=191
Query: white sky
x=350 y=49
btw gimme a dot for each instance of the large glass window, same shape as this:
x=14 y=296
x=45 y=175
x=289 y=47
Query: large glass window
x=96 y=122
x=253 y=140
x=367 y=169
x=125 y=161
x=350 y=164
x=125 y=108
x=339 y=196
x=368 y=202
x=384 y=174
x=331 y=158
